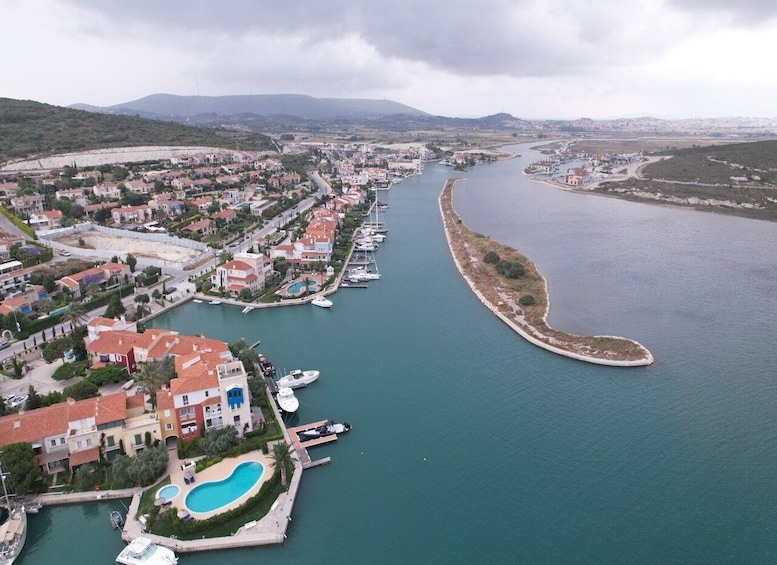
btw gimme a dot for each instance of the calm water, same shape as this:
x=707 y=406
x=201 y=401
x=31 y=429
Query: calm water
x=471 y=446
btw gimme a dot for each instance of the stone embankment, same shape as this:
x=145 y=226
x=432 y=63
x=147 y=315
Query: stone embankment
x=602 y=350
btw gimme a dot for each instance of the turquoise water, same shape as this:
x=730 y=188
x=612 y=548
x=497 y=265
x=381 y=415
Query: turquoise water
x=469 y=445
x=215 y=494
x=299 y=287
x=168 y=492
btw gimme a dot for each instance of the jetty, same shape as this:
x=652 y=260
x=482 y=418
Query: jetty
x=522 y=300
x=301 y=447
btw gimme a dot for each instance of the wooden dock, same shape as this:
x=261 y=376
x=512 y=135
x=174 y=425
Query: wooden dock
x=301 y=446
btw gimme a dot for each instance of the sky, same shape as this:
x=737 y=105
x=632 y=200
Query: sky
x=534 y=59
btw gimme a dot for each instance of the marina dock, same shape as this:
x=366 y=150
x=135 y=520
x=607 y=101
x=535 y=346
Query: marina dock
x=301 y=446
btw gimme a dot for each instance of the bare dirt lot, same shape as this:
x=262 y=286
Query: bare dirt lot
x=124 y=245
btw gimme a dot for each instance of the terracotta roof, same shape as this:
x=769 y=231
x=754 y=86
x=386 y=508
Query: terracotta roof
x=36 y=425
x=85 y=456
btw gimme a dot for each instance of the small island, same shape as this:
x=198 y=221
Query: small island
x=512 y=288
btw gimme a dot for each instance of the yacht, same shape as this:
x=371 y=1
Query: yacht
x=286 y=400
x=13 y=532
x=143 y=551
x=297 y=379
x=321 y=302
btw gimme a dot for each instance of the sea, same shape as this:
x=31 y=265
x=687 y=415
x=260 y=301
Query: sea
x=470 y=445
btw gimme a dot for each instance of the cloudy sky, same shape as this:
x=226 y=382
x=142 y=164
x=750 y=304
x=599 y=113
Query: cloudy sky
x=530 y=58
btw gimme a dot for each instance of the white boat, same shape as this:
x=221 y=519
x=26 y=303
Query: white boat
x=143 y=551
x=197 y=301
x=13 y=532
x=215 y=302
x=329 y=428
x=286 y=400
x=362 y=274
x=297 y=379
x=321 y=302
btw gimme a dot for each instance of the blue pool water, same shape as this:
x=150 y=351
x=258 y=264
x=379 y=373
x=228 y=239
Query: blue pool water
x=215 y=494
x=168 y=492
x=297 y=287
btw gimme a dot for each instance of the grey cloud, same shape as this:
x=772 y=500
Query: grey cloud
x=489 y=37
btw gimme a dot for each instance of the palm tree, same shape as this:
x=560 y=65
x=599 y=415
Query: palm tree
x=74 y=314
x=140 y=300
x=151 y=379
x=281 y=458
x=306 y=281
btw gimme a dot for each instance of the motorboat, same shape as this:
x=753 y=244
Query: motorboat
x=329 y=428
x=286 y=400
x=197 y=301
x=143 y=551
x=33 y=508
x=362 y=274
x=268 y=369
x=13 y=532
x=297 y=379
x=321 y=302
x=116 y=519
x=215 y=302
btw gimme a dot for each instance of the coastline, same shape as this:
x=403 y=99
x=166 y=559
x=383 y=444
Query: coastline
x=518 y=322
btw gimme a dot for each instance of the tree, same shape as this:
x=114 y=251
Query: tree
x=108 y=374
x=33 y=399
x=75 y=313
x=156 y=295
x=281 y=459
x=245 y=294
x=115 y=307
x=151 y=379
x=141 y=300
x=131 y=262
x=527 y=300
x=19 y=463
x=307 y=281
x=217 y=442
x=81 y=390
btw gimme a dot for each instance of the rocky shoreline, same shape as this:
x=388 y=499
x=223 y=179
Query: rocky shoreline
x=505 y=302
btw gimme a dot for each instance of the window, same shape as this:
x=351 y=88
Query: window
x=207 y=393
x=53 y=443
x=185 y=399
x=237 y=421
x=167 y=413
x=168 y=426
x=138 y=439
x=110 y=442
x=61 y=441
x=88 y=442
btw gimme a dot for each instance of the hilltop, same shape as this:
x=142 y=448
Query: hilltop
x=30 y=128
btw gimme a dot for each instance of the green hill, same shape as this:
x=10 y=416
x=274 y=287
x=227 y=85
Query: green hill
x=30 y=128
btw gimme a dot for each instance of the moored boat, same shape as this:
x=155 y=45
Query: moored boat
x=268 y=369
x=143 y=551
x=13 y=532
x=297 y=379
x=321 y=302
x=116 y=520
x=327 y=429
x=286 y=400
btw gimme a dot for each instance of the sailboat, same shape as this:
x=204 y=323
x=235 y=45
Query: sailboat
x=13 y=532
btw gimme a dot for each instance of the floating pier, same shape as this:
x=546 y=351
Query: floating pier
x=301 y=446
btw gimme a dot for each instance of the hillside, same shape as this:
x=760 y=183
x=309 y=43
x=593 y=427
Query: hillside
x=305 y=107
x=30 y=128
x=737 y=178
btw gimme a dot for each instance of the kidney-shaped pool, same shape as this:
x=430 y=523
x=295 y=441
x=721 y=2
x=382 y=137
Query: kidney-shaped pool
x=216 y=494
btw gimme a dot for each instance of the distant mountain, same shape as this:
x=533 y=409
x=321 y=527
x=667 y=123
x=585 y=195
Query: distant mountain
x=178 y=108
x=30 y=128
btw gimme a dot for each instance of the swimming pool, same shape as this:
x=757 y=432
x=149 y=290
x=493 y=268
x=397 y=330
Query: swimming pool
x=298 y=287
x=168 y=492
x=215 y=494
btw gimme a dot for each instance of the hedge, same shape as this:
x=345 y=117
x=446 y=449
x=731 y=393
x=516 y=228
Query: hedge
x=18 y=222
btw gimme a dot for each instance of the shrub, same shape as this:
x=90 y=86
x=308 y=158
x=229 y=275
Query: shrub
x=492 y=258
x=510 y=269
x=527 y=300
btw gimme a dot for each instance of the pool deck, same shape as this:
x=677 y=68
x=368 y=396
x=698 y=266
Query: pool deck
x=270 y=530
